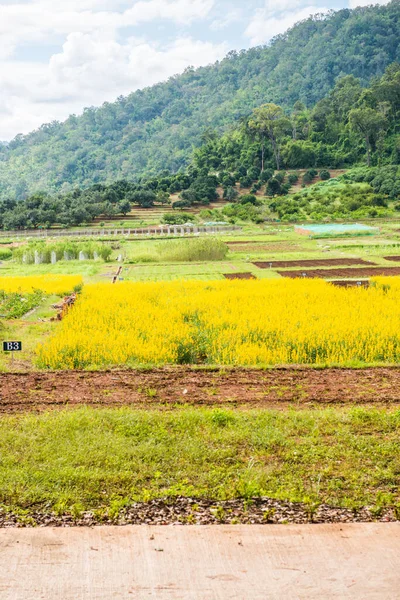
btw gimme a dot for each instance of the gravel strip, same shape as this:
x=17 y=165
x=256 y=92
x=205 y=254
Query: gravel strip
x=191 y=511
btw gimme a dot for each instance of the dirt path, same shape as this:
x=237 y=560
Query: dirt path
x=167 y=387
x=202 y=563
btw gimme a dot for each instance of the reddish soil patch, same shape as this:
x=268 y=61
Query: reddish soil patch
x=239 y=276
x=343 y=273
x=392 y=258
x=165 y=388
x=329 y=262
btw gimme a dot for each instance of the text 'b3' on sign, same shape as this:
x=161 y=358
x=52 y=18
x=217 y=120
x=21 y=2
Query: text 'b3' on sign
x=12 y=346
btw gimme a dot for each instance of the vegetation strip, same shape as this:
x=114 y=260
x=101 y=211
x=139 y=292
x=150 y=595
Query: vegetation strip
x=173 y=387
x=199 y=511
x=103 y=461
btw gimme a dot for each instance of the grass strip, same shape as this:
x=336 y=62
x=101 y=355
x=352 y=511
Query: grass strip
x=102 y=459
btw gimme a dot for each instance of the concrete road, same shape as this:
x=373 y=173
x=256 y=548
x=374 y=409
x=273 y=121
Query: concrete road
x=281 y=562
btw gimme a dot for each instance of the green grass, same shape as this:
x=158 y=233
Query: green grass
x=30 y=330
x=97 y=459
x=74 y=267
x=202 y=272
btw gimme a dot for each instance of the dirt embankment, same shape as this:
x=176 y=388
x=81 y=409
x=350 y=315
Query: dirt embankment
x=167 y=387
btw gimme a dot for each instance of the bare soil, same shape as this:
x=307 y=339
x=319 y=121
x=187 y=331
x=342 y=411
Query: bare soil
x=169 y=387
x=392 y=258
x=239 y=276
x=287 y=264
x=343 y=273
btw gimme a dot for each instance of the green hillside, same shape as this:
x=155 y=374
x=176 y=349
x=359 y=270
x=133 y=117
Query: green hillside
x=157 y=128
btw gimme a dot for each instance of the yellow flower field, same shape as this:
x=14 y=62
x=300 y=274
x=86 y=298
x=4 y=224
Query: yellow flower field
x=49 y=284
x=265 y=322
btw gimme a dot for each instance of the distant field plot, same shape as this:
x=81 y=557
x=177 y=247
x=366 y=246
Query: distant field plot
x=283 y=264
x=199 y=272
x=351 y=273
x=49 y=284
x=392 y=258
x=257 y=247
x=228 y=323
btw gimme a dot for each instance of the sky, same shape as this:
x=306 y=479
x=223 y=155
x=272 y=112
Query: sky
x=59 y=56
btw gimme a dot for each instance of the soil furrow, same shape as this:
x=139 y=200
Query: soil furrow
x=167 y=387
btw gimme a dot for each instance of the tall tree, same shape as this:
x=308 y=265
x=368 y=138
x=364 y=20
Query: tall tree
x=369 y=123
x=268 y=122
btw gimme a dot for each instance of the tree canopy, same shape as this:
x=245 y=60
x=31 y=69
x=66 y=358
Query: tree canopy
x=157 y=128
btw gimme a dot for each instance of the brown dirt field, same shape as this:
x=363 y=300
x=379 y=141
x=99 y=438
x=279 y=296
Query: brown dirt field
x=392 y=258
x=328 y=262
x=239 y=276
x=167 y=388
x=343 y=273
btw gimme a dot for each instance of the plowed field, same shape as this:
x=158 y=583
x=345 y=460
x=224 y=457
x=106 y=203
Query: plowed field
x=343 y=273
x=169 y=387
x=332 y=262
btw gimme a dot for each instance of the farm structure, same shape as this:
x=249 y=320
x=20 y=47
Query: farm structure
x=335 y=230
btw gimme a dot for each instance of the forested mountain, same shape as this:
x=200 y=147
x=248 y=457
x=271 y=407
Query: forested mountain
x=352 y=125
x=157 y=128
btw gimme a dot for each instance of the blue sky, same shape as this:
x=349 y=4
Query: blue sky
x=58 y=56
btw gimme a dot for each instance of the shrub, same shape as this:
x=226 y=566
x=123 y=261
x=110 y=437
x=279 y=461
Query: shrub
x=248 y=199
x=325 y=175
x=266 y=175
x=231 y=193
x=293 y=178
x=280 y=176
x=254 y=173
x=307 y=178
x=176 y=218
x=273 y=187
x=242 y=171
x=245 y=182
x=5 y=254
x=228 y=180
x=184 y=250
x=181 y=204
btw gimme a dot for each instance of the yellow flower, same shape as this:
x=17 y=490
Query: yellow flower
x=264 y=322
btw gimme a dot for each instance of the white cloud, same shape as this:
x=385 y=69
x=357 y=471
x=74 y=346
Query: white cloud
x=41 y=20
x=94 y=65
x=269 y=22
x=224 y=21
x=89 y=71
